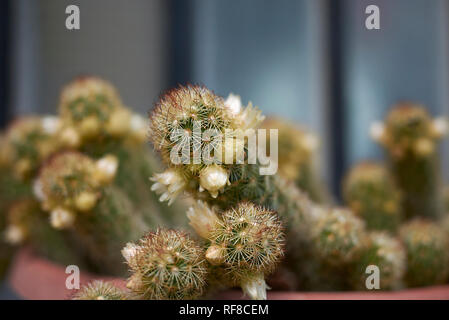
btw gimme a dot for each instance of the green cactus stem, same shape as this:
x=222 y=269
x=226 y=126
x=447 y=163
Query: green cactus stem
x=369 y=190
x=410 y=137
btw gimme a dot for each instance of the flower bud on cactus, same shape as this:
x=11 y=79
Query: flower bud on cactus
x=427 y=253
x=166 y=264
x=298 y=151
x=28 y=224
x=371 y=193
x=381 y=250
x=410 y=137
x=99 y=290
x=28 y=142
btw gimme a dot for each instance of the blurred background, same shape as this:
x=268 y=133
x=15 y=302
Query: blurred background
x=311 y=61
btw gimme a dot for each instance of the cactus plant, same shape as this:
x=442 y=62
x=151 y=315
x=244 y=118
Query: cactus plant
x=77 y=192
x=247 y=241
x=427 y=255
x=27 y=223
x=166 y=264
x=370 y=191
x=100 y=290
x=96 y=122
x=382 y=250
x=410 y=137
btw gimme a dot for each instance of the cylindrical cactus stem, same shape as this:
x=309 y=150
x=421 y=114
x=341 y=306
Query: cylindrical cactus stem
x=78 y=194
x=427 y=246
x=166 y=264
x=247 y=241
x=28 y=224
x=94 y=117
x=100 y=290
x=410 y=137
x=298 y=158
x=370 y=191
x=382 y=251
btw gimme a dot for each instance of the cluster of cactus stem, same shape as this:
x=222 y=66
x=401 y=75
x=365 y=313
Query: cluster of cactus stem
x=81 y=188
x=80 y=178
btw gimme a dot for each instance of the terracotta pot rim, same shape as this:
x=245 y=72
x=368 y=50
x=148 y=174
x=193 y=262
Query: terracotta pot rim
x=35 y=278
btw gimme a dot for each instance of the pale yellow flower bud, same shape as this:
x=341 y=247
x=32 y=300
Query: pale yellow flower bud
x=89 y=127
x=106 y=169
x=215 y=255
x=70 y=137
x=119 y=123
x=424 y=147
x=213 y=178
x=85 y=201
x=61 y=218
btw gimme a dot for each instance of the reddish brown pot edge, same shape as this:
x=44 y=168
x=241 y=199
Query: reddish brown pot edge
x=34 y=278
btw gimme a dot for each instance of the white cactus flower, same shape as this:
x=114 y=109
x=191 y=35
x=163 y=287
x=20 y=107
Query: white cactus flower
x=255 y=287
x=440 y=127
x=169 y=184
x=130 y=251
x=250 y=117
x=376 y=131
x=106 y=168
x=14 y=234
x=234 y=103
x=38 y=190
x=51 y=124
x=202 y=218
x=61 y=218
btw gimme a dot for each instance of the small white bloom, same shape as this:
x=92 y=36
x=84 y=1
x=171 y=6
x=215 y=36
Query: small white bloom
x=255 y=287
x=310 y=142
x=130 y=251
x=61 y=218
x=202 y=218
x=50 y=124
x=234 y=103
x=440 y=126
x=250 y=117
x=376 y=131
x=38 y=190
x=213 y=178
x=169 y=184
x=14 y=234
x=106 y=168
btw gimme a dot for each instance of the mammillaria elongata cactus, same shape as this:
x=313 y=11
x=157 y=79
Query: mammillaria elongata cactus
x=166 y=264
x=246 y=241
x=369 y=190
x=100 y=290
x=78 y=194
x=410 y=137
x=426 y=244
